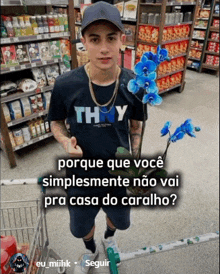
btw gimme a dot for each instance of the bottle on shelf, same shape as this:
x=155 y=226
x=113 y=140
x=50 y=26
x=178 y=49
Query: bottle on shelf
x=66 y=25
x=16 y=26
x=23 y=26
x=45 y=24
x=34 y=25
x=51 y=23
x=61 y=22
x=29 y=30
x=56 y=23
x=40 y=24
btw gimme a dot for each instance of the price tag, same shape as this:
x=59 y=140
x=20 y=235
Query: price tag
x=30 y=142
x=48 y=2
x=40 y=113
x=10 y=124
x=33 y=64
x=44 y=62
x=54 y=35
x=41 y=137
x=12 y=69
x=25 y=144
x=23 y=67
x=6 y=40
x=46 y=136
x=16 y=39
x=56 y=60
x=39 y=36
x=2 y=2
x=46 y=35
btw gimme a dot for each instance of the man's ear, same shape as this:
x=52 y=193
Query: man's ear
x=83 y=40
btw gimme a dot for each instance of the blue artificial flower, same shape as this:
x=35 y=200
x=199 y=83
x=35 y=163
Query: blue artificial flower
x=152 y=98
x=148 y=55
x=177 y=135
x=188 y=128
x=145 y=68
x=162 y=55
x=147 y=83
x=165 y=128
x=133 y=86
x=197 y=128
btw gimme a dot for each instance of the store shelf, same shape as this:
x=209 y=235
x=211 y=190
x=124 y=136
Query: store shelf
x=168 y=74
x=22 y=39
x=34 y=140
x=16 y=96
x=129 y=19
x=212 y=52
x=30 y=65
x=147 y=43
x=205 y=19
x=195 y=59
x=11 y=3
x=181 y=4
x=27 y=118
x=45 y=2
x=178 y=55
x=212 y=40
x=151 y=4
x=78 y=23
x=214 y=29
x=174 y=41
x=215 y=15
x=210 y=67
x=197 y=38
x=168 y=25
x=166 y=90
x=200 y=28
x=130 y=47
x=196 y=48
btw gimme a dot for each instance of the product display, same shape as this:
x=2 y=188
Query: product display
x=169 y=81
x=65 y=47
x=55 y=49
x=26 y=85
x=22 y=54
x=172 y=66
x=51 y=73
x=9 y=55
x=39 y=77
x=45 y=52
x=34 y=52
x=7 y=88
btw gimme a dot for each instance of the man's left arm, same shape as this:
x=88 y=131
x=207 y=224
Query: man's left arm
x=135 y=136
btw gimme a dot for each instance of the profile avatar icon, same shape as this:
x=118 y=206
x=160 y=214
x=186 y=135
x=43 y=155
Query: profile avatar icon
x=19 y=263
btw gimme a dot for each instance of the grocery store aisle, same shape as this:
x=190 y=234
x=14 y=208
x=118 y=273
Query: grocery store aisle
x=197 y=206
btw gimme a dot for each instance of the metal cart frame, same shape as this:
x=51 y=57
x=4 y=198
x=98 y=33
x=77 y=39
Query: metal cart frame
x=26 y=220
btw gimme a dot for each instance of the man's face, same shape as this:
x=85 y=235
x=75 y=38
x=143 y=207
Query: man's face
x=103 y=41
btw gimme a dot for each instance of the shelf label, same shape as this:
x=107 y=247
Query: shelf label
x=23 y=67
x=10 y=124
x=41 y=137
x=39 y=36
x=48 y=2
x=12 y=69
x=33 y=64
x=40 y=113
x=54 y=35
x=44 y=62
x=56 y=60
x=15 y=39
x=46 y=36
x=46 y=136
x=30 y=142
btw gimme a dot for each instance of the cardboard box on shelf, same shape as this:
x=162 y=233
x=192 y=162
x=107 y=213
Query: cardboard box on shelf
x=130 y=10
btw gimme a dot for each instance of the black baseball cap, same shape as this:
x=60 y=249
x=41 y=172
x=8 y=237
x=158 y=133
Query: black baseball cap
x=101 y=11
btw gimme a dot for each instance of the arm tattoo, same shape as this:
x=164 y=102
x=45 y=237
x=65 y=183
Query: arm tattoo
x=135 y=136
x=60 y=131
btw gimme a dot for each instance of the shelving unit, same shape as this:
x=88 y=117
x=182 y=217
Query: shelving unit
x=210 y=29
x=18 y=70
x=162 y=8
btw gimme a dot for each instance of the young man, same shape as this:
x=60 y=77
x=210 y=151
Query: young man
x=102 y=115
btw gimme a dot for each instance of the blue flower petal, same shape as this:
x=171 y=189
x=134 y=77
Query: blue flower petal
x=133 y=86
x=165 y=128
x=151 y=66
x=152 y=76
x=141 y=80
x=144 y=58
x=138 y=69
x=152 y=99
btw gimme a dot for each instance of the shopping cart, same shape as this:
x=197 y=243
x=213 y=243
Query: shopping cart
x=26 y=221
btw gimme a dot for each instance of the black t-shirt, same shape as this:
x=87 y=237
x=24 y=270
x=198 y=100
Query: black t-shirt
x=98 y=132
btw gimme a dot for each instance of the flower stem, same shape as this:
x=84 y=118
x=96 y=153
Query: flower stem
x=165 y=152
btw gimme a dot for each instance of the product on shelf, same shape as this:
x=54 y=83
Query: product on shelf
x=16 y=26
x=130 y=9
x=26 y=85
x=65 y=47
x=177 y=48
x=216 y=61
x=199 y=34
x=45 y=52
x=196 y=44
x=15 y=110
x=148 y=34
x=63 y=68
x=18 y=137
x=22 y=54
x=204 y=13
x=209 y=59
x=201 y=23
x=7 y=88
x=171 y=66
x=51 y=73
x=169 y=81
x=9 y=55
x=8 y=25
x=11 y=136
x=217 y=8
x=25 y=107
x=39 y=77
x=82 y=57
x=29 y=29
x=26 y=133
x=46 y=99
x=55 y=49
x=130 y=34
x=195 y=53
x=215 y=23
x=34 y=52
x=215 y=36
x=6 y=113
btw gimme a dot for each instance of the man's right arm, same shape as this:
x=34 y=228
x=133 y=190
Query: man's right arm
x=69 y=143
